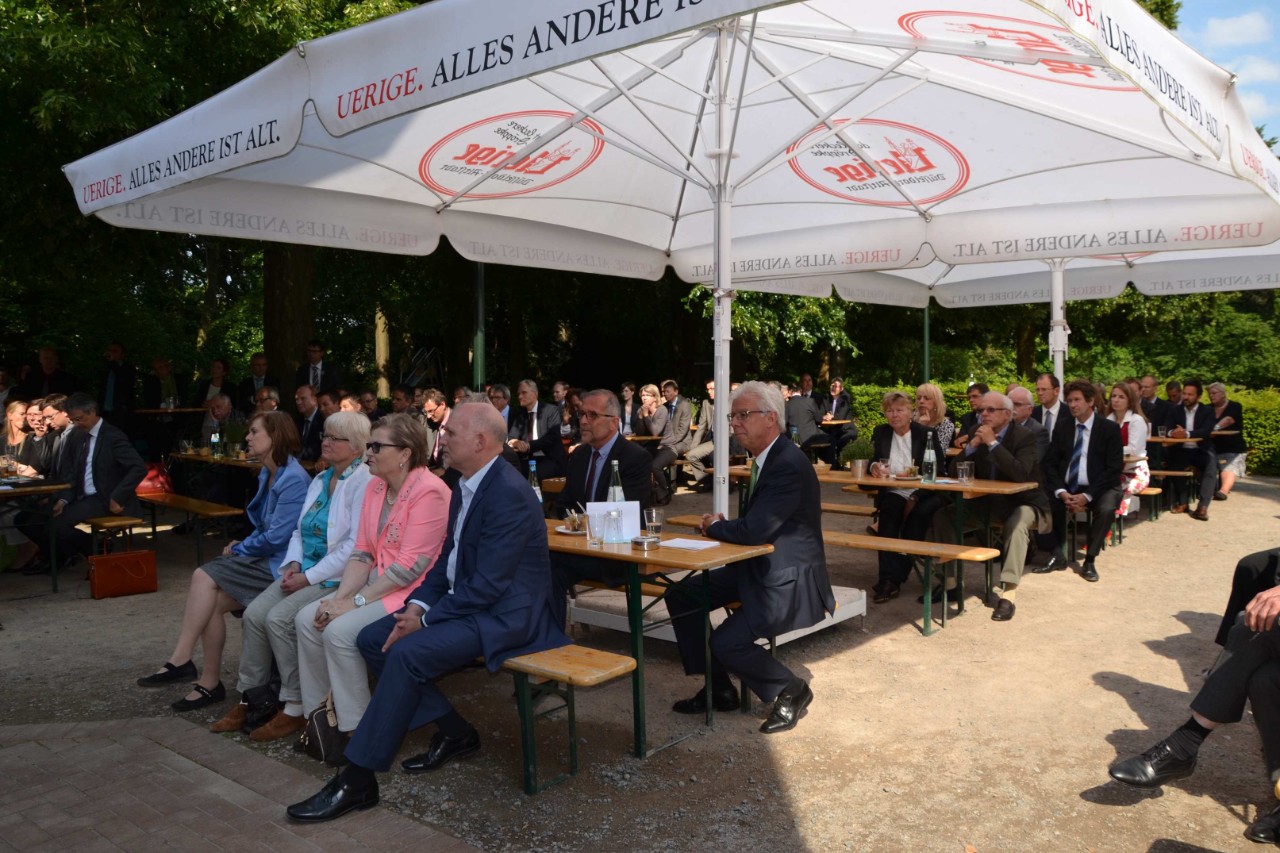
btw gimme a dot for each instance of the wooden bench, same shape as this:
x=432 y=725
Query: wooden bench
x=861 y=510
x=196 y=511
x=108 y=525
x=930 y=552
x=558 y=672
x=1174 y=475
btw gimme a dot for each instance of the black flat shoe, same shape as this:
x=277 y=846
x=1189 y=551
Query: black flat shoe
x=333 y=801
x=721 y=700
x=1266 y=829
x=442 y=751
x=1153 y=768
x=207 y=697
x=169 y=674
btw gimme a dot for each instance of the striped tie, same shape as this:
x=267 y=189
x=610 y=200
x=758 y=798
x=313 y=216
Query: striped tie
x=755 y=472
x=1077 y=454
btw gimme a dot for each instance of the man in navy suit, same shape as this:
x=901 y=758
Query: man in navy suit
x=588 y=480
x=487 y=595
x=783 y=591
x=320 y=374
x=534 y=432
x=1082 y=471
x=1192 y=420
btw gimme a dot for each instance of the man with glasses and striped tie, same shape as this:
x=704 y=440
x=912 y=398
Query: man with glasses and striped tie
x=1084 y=466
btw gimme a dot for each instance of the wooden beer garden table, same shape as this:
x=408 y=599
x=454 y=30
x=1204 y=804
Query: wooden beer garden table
x=27 y=494
x=654 y=567
x=235 y=462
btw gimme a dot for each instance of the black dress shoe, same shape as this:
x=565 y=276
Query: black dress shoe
x=1219 y=496
x=207 y=697
x=1004 y=610
x=721 y=700
x=953 y=595
x=334 y=800
x=169 y=674
x=1089 y=572
x=787 y=708
x=885 y=590
x=1153 y=768
x=442 y=751
x=1057 y=563
x=1266 y=829
x=38 y=566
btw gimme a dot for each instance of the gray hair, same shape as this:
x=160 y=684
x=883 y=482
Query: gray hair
x=1216 y=386
x=611 y=405
x=354 y=427
x=1005 y=402
x=530 y=384
x=770 y=398
x=1025 y=393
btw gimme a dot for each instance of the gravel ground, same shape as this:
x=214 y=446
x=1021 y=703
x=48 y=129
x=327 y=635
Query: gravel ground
x=986 y=736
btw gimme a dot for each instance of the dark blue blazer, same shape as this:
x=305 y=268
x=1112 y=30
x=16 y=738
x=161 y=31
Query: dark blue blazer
x=788 y=589
x=274 y=514
x=634 y=467
x=1104 y=461
x=503 y=582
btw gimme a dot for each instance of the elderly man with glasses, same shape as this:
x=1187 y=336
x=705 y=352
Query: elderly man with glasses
x=1002 y=450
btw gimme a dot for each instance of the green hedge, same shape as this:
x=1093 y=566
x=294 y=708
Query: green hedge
x=1261 y=416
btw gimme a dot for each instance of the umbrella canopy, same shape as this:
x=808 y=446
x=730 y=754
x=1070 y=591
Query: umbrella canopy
x=730 y=140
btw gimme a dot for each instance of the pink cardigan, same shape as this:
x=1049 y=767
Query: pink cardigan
x=413 y=535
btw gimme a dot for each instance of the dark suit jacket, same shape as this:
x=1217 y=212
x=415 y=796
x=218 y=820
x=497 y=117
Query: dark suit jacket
x=117 y=468
x=882 y=442
x=1104 y=462
x=1064 y=414
x=1041 y=434
x=804 y=414
x=1014 y=460
x=548 y=440
x=677 y=435
x=38 y=385
x=330 y=375
x=1157 y=411
x=59 y=461
x=1202 y=425
x=789 y=588
x=503 y=578
x=310 y=438
x=843 y=407
x=124 y=397
x=634 y=466
x=243 y=398
x=202 y=391
x=1231 y=443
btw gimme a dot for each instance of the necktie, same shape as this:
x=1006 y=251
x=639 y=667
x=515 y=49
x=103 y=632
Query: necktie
x=306 y=429
x=755 y=473
x=1048 y=422
x=533 y=425
x=315 y=376
x=591 y=475
x=1077 y=454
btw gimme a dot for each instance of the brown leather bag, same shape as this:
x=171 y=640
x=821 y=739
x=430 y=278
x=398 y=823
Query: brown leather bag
x=127 y=573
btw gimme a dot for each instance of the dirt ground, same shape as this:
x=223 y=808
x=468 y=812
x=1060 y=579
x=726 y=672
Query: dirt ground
x=986 y=736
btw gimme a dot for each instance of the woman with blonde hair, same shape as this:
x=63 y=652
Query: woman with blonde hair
x=931 y=413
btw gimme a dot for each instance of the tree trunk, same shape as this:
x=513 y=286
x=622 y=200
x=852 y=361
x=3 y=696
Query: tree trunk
x=288 y=310
x=215 y=278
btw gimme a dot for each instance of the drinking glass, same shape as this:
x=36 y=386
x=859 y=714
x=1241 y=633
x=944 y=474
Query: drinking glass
x=653 y=517
x=965 y=471
x=595 y=529
x=884 y=468
x=1162 y=431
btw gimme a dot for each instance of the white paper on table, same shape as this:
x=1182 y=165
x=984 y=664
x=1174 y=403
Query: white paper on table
x=690 y=544
x=630 y=512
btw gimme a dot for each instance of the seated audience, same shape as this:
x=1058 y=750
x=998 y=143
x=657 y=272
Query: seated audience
x=630 y=418
x=258 y=378
x=401 y=529
x=905 y=513
x=230 y=582
x=1227 y=415
x=969 y=420
x=369 y=405
x=1192 y=420
x=218 y=383
x=677 y=437
x=318 y=551
x=534 y=434
x=931 y=413
x=804 y=419
x=266 y=399
x=839 y=407
x=1126 y=411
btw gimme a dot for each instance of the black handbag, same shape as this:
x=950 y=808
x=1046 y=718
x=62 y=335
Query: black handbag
x=321 y=739
x=263 y=702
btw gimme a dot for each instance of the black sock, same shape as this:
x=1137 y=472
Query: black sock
x=452 y=725
x=359 y=778
x=720 y=681
x=1185 y=742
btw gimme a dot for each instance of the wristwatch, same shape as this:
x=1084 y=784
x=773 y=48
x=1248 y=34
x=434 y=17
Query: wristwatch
x=359 y=600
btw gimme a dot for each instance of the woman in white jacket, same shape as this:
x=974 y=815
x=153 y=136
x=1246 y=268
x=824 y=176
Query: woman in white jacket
x=318 y=552
x=1124 y=410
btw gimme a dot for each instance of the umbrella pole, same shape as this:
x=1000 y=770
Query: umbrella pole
x=722 y=324
x=1058 y=329
x=477 y=342
x=927 y=369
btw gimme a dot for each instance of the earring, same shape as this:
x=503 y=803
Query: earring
x=402 y=466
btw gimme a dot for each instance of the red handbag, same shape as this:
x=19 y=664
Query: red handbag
x=157 y=481
x=126 y=573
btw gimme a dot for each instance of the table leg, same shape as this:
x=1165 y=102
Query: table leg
x=635 y=621
x=706 y=639
x=53 y=543
x=959 y=568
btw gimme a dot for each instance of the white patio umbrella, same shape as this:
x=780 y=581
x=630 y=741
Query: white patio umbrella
x=799 y=141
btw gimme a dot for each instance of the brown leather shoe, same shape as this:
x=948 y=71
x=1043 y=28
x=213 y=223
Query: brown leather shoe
x=281 y=725
x=233 y=721
x=1178 y=508
x=1004 y=610
x=1201 y=514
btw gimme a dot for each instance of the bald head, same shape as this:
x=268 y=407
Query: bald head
x=472 y=437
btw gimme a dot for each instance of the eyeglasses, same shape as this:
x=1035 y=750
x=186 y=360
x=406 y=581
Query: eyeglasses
x=326 y=436
x=990 y=410
x=734 y=417
x=376 y=446
x=593 y=416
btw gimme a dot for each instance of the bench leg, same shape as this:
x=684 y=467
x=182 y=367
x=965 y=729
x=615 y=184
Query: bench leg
x=525 y=694
x=928 y=596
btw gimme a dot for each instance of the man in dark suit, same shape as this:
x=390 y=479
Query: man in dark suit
x=309 y=421
x=1022 y=409
x=677 y=438
x=535 y=433
x=1086 y=459
x=588 y=479
x=1155 y=408
x=487 y=595
x=970 y=420
x=704 y=436
x=435 y=411
x=1247 y=669
x=781 y=592
x=119 y=388
x=837 y=406
x=1003 y=450
x=1052 y=412
x=46 y=377
x=107 y=470
x=259 y=377
x=1192 y=420
x=803 y=417
x=905 y=513
x=316 y=371
x=56 y=465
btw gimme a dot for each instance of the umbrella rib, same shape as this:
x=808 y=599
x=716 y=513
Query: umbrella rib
x=696 y=131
